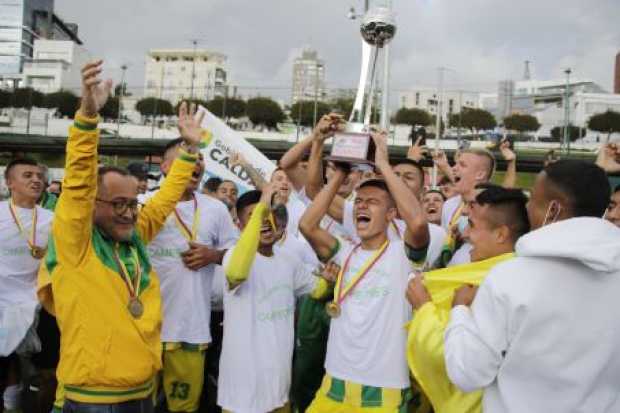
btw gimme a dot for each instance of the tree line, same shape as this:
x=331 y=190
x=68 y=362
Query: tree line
x=265 y=111
x=477 y=120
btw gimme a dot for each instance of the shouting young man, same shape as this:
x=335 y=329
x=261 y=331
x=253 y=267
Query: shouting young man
x=365 y=363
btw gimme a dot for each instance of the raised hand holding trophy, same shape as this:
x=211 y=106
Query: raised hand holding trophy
x=354 y=145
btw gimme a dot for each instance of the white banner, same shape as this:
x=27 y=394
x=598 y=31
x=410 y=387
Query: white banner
x=219 y=142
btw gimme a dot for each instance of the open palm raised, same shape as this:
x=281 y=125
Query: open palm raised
x=189 y=124
x=95 y=92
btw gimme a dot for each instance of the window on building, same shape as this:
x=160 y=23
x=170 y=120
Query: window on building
x=417 y=98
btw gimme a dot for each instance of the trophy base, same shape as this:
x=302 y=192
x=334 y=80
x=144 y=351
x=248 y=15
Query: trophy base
x=352 y=148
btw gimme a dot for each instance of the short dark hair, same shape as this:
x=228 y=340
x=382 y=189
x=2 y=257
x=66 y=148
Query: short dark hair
x=508 y=205
x=213 y=183
x=583 y=183
x=435 y=191
x=171 y=145
x=104 y=170
x=413 y=163
x=247 y=199
x=377 y=183
x=16 y=162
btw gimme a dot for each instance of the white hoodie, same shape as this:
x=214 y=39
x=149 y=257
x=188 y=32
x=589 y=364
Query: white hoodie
x=543 y=333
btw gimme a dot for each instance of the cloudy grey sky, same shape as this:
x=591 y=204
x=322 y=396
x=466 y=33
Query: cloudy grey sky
x=483 y=41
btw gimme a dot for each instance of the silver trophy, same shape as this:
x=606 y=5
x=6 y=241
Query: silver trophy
x=355 y=145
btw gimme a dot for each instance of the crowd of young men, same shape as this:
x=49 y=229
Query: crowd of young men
x=339 y=288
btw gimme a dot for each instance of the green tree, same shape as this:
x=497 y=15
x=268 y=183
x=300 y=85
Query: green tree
x=64 y=101
x=606 y=122
x=412 y=117
x=110 y=109
x=26 y=98
x=307 y=112
x=264 y=111
x=574 y=133
x=229 y=107
x=154 y=107
x=521 y=123
x=343 y=106
x=5 y=98
x=473 y=119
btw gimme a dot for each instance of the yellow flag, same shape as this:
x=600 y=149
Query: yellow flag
x=426 y=332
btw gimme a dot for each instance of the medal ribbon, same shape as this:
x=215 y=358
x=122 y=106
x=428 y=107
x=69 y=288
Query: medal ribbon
x=32 y=238
x=134 y=290
x=190 y=235
x=338 y=296
x=456 y=216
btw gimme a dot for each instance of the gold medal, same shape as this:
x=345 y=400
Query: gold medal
x=135 y=307
x=332 y=309
x=37 y=252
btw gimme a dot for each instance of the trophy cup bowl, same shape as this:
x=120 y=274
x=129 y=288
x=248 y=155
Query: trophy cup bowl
x=378 y=26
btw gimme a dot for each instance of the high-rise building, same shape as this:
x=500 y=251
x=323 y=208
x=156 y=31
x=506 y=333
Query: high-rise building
x=55 y=65
x=21 y=23
x=617 y=75
x=308 y=77
x=177 y=74
x=505 y=92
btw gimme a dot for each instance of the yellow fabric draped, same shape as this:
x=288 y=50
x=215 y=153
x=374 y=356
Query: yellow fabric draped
x=426 y=334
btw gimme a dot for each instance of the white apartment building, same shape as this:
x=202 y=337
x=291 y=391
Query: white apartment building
x=55 y=65
x=169 y=74
x=545 y=99
x=308 y=77
x=427 y=99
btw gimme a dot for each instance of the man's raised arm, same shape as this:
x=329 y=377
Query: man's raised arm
x=324 y=244
x=409 y=209
x=73 y=222
x=153 y=215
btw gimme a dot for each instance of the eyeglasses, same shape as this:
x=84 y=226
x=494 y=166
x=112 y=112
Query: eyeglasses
x=120 y=206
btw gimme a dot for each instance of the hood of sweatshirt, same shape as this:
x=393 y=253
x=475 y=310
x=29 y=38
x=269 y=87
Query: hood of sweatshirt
x=594 y=242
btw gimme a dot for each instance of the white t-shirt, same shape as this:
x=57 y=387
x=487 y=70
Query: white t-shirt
x=295 y=209
x=186 y=294
x=298 y=248
x=327 y=223
x=396 y=231
x=367 y=342
x=461 y=256
x=18 y=273
x=257 y=349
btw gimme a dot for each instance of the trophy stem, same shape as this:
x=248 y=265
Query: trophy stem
x=358 y=106
x=371 y=89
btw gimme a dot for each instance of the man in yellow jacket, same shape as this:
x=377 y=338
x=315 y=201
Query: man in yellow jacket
x=97 y=278
x=496 y=221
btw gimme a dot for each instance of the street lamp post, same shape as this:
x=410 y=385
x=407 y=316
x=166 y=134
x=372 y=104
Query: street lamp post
x=567 y=112
x=120 y=101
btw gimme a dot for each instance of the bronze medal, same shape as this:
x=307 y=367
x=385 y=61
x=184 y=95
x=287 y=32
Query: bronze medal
x=135 y=307
x=333 y=309
x=37 y=252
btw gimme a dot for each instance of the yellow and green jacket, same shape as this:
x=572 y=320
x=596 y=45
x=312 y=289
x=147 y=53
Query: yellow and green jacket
x=425 y=346
x=106 y=356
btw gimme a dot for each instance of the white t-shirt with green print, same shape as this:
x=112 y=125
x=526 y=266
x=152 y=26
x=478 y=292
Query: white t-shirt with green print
x=367 y=342
x=18 y=273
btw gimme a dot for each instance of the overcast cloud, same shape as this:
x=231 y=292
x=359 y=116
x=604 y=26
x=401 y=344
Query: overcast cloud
x=483 y=41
